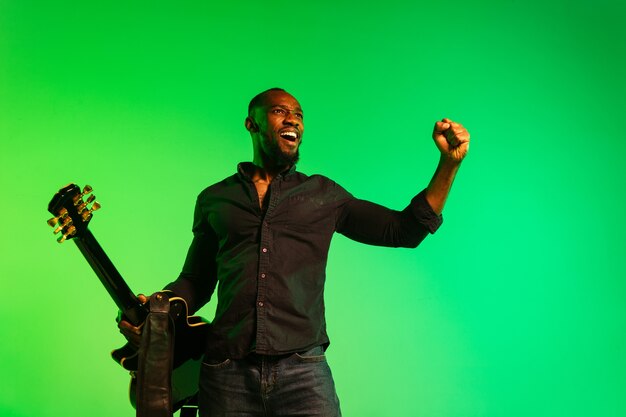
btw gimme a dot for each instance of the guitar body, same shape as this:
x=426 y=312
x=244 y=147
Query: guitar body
x=190 y=332
x=72 y=213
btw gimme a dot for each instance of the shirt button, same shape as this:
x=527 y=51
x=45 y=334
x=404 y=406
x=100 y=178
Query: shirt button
x=260 y=303
x=262 y=275
x=264 y=250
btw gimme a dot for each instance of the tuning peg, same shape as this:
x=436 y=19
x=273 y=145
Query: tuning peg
x=87 y=214
x=71 y=231
x=83 y=205
x=67 y=221
x=55 y=220
x=78 y=198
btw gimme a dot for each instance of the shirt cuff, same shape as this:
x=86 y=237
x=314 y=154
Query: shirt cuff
x=423 y=212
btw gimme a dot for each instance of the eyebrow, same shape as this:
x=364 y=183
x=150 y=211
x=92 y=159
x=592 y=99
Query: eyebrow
x=298 y=109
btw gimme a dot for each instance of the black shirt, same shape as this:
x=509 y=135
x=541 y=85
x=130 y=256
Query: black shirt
x=269 y=263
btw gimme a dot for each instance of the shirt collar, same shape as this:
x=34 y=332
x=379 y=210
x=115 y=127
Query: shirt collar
x=245 y=169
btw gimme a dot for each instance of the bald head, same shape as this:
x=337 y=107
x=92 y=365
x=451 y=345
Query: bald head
x=260 y=98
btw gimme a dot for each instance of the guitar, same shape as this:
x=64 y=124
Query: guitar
x=73 y=210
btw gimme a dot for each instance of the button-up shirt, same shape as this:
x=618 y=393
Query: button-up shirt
x=268 y=262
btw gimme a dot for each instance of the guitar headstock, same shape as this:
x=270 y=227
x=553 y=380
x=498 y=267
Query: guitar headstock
x=72 y=210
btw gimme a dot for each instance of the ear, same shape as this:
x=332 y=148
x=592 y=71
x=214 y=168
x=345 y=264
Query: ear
x=251 y=125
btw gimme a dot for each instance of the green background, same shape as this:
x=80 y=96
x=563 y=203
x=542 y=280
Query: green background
x=515 y=307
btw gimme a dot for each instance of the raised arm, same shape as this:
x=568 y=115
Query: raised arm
x=452 y=140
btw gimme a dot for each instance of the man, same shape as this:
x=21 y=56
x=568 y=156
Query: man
x=261 y=237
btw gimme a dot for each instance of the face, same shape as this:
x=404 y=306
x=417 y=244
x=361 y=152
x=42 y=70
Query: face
x=277 y=126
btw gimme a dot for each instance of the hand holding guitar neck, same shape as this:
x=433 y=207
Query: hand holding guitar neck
x=131 y=332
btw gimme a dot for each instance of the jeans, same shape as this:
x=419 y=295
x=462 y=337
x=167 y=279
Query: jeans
x=298 y=384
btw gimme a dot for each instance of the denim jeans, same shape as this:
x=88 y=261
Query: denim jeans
x=298 y=384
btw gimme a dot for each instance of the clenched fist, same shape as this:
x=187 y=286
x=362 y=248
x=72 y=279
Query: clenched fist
x=452 y=139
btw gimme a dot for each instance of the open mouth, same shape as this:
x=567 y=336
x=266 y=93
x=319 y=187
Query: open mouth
x=289 y=135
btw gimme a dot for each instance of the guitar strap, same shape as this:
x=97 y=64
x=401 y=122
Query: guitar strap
x=154 y=374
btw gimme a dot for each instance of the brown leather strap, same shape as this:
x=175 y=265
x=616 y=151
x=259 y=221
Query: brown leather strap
x=154 y=376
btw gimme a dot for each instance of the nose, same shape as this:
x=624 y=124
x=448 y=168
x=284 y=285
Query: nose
x=291 y=119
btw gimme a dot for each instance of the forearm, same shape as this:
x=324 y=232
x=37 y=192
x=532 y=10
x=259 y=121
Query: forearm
x=441 y=183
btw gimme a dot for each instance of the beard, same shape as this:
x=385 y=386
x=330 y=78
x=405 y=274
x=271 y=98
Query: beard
x=282 y=158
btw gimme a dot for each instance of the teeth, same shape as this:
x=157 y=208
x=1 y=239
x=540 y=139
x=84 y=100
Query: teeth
x=290 y=134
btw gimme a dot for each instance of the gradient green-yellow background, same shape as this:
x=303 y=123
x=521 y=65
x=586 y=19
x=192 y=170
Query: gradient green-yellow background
x=516 y=307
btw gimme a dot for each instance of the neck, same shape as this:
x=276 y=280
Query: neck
x=265 y=169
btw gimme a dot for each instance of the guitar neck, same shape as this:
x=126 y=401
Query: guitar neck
x=117 y=288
